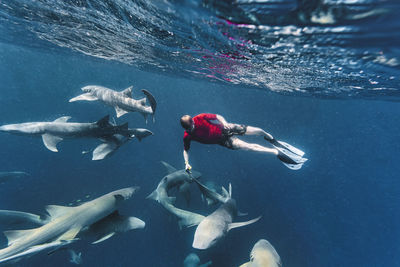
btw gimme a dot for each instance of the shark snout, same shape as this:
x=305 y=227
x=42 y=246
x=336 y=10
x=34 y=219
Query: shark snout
x=126 y=193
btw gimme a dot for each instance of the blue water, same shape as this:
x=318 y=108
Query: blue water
x=331 y=89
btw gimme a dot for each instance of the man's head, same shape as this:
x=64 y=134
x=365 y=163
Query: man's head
x=186 y=122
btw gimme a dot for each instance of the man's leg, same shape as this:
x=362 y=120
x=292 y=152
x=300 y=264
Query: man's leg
x=239 y=144
x=250 y=130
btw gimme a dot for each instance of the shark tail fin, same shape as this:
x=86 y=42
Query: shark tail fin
x=19 y=217
x=103 y=122
x=152 y=101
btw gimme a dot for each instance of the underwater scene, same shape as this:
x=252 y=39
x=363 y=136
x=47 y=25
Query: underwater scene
x=245 y=133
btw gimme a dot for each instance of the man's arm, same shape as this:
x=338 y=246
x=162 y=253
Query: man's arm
x=186 y=147
x=186 y=158
x=215 y=119
x=222 y=120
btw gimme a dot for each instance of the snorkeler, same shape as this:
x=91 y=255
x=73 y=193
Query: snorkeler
x=214 y=129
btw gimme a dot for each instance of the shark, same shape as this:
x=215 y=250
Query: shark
x=263 y=254
x=192 y=260
x=55 y=131
x=212 y=228
x=121 y=101
x=174 y=178
x=113 y=143
x=7 y=176
x=98 y=218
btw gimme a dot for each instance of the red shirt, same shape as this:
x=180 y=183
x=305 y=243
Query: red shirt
x=207 y=130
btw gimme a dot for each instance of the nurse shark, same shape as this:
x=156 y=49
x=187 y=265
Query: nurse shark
x=55 y=131
x=212 y=228
x=122 y=101
x=65 y=225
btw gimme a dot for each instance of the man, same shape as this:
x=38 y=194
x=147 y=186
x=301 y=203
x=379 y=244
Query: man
x=214 y=129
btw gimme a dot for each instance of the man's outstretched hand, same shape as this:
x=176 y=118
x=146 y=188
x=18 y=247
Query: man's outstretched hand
x=188 y=168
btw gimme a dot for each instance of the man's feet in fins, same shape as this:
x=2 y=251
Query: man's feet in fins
x=280 y=144
x=291 y=160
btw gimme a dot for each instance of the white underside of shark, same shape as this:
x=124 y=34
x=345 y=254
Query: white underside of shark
x=97 y=218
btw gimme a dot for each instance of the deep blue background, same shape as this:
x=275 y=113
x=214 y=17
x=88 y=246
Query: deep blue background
x=341 y=209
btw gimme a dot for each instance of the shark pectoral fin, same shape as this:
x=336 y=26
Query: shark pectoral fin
x=168 y=167
x=84 y=97
x=13 y=235
x=115 y=223
x=56 y=211
x=62 y=119
x=132 y=223
x=206 y=264
x=104 y=238
x=240 y=224
x=128 y=91
x=247 y=264
x=103 y=150
x=70 y=234
x=186 y=218
x=120 y=112
x=51 y=141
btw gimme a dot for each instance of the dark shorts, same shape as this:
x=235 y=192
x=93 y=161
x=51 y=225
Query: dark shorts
x=229 y=132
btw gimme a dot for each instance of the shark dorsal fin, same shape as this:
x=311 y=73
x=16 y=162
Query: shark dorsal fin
x=240 y=224
x=14 y=235
x=56 y=211
x=62 y=119
x=128 y=91
x=103 y=122
x=168 y=167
